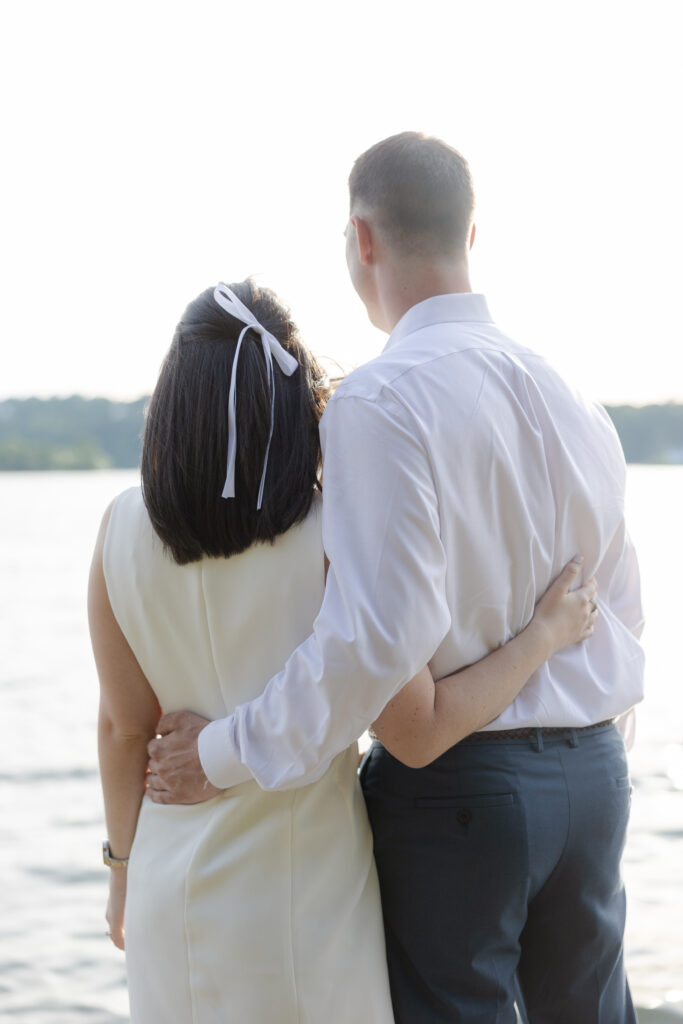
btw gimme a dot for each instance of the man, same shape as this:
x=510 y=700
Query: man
x=461 y=474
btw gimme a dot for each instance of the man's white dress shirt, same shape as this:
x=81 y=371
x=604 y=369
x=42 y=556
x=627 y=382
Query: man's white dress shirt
x=461 y=474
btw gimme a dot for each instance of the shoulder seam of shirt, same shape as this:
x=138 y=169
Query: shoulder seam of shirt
x=406 y=411
x=387 y=384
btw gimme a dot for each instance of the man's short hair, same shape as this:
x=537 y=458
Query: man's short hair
x=420 y=191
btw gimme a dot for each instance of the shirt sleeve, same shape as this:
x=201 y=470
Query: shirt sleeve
x=624 y=588
x=383 y=615
x=619 y=575
x=619 y=582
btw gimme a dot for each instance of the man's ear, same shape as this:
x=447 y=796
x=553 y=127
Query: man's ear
x=473 y=232
x=364 y=239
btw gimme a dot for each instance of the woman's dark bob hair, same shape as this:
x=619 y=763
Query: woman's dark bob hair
x=186 y=433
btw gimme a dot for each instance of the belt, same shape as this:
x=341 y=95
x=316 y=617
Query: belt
x=530 y=731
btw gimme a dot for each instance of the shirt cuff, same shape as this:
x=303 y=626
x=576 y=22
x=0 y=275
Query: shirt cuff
x=218 y=756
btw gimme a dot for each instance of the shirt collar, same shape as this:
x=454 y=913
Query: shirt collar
x=459 y=307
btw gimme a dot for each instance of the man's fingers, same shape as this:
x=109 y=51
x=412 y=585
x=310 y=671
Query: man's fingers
x=172 y=721
x=156 y=783
x=167 y=796
x=167 y=723
x=160 y=796
x=156 y=751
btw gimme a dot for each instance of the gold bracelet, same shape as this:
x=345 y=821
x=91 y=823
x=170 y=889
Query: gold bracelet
x=109 y=860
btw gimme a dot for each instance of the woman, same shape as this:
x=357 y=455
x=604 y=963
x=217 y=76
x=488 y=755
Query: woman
x=252 y=906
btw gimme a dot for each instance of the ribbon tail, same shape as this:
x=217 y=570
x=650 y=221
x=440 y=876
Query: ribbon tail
x=271 y=382
x=229 y=486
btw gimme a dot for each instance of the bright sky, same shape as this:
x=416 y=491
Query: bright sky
x=153 y=148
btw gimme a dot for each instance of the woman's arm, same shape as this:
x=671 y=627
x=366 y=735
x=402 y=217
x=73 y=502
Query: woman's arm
x=426 y=718
x=128 y=715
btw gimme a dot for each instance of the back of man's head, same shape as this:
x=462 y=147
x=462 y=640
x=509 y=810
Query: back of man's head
x=418 y=191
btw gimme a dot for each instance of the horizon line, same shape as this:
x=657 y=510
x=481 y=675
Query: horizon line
x=91 y=396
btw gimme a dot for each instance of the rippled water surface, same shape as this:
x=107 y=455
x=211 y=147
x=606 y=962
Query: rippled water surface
x=56 y=964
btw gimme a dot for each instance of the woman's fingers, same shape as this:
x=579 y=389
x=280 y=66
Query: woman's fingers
x=567 y=578
x=114 y=920
x=588 y=589
x=589 y=598
x=587 y=594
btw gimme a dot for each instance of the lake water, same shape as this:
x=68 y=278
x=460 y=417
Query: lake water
x=56 y=964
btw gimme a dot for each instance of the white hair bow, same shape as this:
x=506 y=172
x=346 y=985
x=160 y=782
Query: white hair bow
x=271 y=349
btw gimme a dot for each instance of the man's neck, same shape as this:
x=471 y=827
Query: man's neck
x=404 y=289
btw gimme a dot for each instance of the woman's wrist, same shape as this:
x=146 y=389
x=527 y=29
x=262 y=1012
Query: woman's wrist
x=540 y=639
x=118 y=863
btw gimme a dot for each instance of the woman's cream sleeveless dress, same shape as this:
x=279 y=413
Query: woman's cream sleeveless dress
x=253 y=907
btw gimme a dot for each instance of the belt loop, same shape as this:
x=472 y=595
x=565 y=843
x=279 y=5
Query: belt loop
x=573 y=739
x=537 y=741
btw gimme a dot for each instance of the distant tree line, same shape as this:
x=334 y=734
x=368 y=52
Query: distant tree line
x=95 y=433
x=70 y=433
x=650 y=433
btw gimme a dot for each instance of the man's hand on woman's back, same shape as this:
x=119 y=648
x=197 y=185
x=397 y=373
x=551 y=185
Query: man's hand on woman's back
x=175 y=772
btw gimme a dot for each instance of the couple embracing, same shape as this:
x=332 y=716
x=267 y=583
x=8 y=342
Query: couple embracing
x=424 y=553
